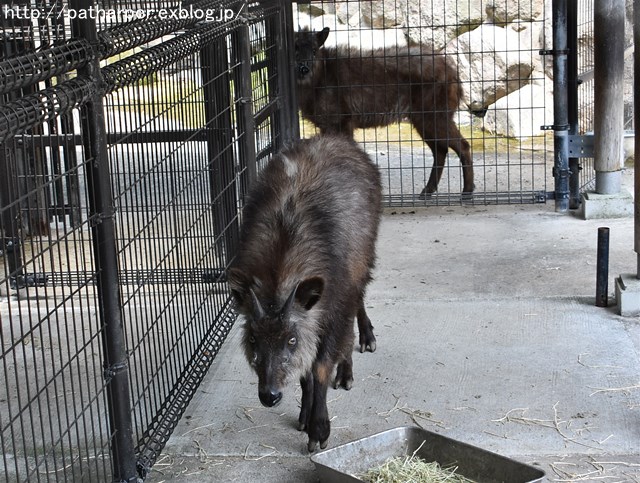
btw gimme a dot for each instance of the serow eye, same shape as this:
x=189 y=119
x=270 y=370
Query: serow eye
x=252 y=340
x=292 y=341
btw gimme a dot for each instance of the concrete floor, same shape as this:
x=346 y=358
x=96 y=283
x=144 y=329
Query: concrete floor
x=487 y=333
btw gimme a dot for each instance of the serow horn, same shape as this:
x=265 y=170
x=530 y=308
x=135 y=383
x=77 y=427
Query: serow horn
x=258 y=312
x=284 y=314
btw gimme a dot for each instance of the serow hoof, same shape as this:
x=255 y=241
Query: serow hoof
x=313 y=445
x=371 y=347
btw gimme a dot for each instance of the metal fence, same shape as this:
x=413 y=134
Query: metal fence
x=581 y=94
x=496 y=49
x=127 y=139
x=581 y=86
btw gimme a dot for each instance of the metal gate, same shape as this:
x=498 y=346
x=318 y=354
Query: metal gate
x=497 y=49
x=128 y=134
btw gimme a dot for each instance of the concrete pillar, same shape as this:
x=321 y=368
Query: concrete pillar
x=628 y=284
x=636 y=119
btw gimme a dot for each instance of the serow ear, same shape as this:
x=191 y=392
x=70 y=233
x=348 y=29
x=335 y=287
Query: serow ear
x=238 y=285
x=309 y=292
x=321 y=36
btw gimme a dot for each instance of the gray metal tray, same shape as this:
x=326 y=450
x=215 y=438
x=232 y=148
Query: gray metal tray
x=342 y=463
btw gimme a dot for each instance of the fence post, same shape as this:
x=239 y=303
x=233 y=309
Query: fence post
x=286 y=56
x=116 y=370
x=608 y=121
x=572 y=100
x=244 y=99
x=219 y=131
x=560 y=105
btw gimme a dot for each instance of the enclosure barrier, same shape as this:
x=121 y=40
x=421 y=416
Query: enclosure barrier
x=126 y=148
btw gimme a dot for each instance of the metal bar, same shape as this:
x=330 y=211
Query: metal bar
x=73 y=181
x=28 y=69
x=219 y=137
x=609 y=20
x=167 y=417
x=602 y=270
x=106 y=261
x=156 y=136
x=129 y=35
x=572 y=100
x=34 y=109
x=242 y=54
x=560 y=105
x=287 y=59
x=9 y=207
x=138 y=66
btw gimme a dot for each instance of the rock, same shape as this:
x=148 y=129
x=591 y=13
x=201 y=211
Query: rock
x=367 y=38
x=502 y=12
x=381 y=14
x=523 y=112
x=490 y=64
x=435 y=24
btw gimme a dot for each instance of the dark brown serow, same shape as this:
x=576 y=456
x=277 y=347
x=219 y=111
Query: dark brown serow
x=307 y=248
x=341 y=89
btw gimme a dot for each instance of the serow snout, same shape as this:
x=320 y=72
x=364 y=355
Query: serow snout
x=269 y=398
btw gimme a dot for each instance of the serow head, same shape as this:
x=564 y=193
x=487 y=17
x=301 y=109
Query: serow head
x=307 y=43
x=276 y=339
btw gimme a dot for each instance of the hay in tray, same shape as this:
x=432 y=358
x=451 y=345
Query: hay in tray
x=412 y=469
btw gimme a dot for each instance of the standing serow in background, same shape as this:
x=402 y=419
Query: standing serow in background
x=307 y=248
x=341 y=89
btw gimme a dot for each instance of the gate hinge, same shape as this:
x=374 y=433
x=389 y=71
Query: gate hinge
x=554 y=52
x=560 y=173
x=581 y=146
x=114 y=369
x=555 y=127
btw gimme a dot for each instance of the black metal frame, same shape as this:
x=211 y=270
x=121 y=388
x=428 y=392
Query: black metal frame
x=129 y=210
x=504 y=175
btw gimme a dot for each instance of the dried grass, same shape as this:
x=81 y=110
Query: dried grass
x=415 y=414
x=412 y=469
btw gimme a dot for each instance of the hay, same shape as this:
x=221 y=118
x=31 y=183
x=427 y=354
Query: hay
x=412 y=469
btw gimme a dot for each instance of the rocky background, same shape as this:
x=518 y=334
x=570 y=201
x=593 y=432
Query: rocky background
x=495 y=44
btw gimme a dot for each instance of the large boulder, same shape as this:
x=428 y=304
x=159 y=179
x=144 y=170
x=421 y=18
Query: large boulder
x=436 y=23
x=522 y=113
x=345 y=20
x=502 y=12
x=377 y=14
x=490 y=64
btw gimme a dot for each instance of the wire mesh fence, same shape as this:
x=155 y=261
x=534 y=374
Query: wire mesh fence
x=494 y=49
x=128 y=138
x=127 y=141
x=583 y=15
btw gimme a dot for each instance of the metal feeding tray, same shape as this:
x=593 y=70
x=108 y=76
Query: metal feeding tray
x=342 y=463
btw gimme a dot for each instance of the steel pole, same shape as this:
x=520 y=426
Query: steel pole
x=560 y=105
x=116 y=370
